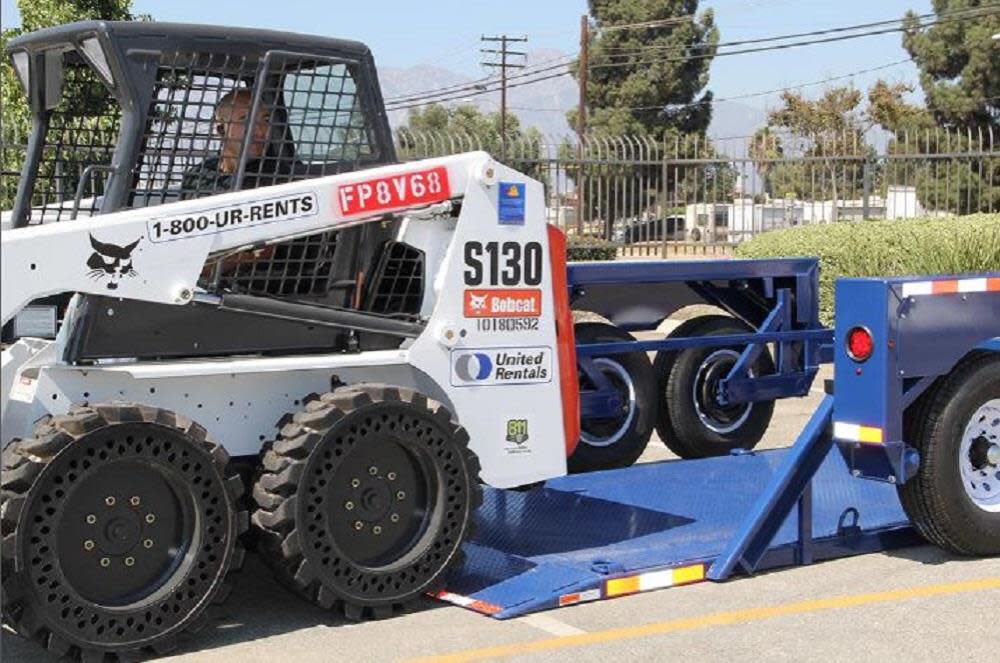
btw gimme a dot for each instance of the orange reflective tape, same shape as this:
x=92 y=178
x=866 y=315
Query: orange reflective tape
x=620 y=586
x=569 y=599
x=485 y=608
x=944 y=287
x=993 y=285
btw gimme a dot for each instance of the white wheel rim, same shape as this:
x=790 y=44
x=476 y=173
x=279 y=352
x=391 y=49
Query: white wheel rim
x=979 y=457
x=610 y=366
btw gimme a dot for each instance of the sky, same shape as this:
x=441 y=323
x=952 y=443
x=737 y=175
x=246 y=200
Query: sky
x=446 y=33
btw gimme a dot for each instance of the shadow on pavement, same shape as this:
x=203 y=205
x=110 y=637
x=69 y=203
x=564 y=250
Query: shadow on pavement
x=258 y=608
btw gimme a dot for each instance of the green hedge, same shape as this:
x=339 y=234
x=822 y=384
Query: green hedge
x=579 y=249
x=957 y=245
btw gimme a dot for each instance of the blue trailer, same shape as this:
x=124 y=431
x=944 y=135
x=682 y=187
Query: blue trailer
x=904 y=447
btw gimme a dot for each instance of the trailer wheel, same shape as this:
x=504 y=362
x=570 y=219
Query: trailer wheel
x=616 y=441
x=120 y=528
x=693 y=424
x=954 y=500
x=366 y=498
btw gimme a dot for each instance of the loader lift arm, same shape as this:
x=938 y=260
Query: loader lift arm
x=165 y=248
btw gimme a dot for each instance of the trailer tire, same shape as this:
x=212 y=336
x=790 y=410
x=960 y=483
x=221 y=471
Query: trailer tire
x=953 y=501
x=121 y=528
x=663 y=363
x=388 y=459
x=690 y=422
x=603 y=444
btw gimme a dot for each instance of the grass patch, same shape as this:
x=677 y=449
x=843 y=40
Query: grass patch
x=910 y=247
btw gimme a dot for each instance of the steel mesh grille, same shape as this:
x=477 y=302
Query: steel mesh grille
x=303 y=118
x=181 y=133
x=81 y=135
x=399 y=281
x=300 y=268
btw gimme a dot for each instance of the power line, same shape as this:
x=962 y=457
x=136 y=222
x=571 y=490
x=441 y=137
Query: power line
x=797 y=35
x=481 y=83
x=530 y=77
x=774 y=47
x=504 y=64
x=416 y=104
x=749 y=95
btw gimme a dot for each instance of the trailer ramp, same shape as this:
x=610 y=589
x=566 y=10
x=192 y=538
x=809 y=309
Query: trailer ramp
x=613 y=533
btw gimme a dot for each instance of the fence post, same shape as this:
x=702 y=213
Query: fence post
x=866 y=175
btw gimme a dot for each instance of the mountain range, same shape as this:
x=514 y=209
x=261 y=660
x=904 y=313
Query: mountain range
x=542 y=105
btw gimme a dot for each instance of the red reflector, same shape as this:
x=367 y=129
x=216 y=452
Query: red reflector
x=860 y=344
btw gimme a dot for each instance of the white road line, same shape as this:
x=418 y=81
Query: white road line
x=550 y=625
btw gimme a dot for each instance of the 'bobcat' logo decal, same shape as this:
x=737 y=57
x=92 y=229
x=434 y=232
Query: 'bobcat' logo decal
x=110 y=261
x=477 y=302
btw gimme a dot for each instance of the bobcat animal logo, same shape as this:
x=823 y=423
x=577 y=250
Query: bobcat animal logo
x=477 y=302
x=111 y=262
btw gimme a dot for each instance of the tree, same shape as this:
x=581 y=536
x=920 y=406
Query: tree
x=15 y=117
x=828 y=134
x=944 y=180
x=79 y=94
x=439 y=130
x=646 y=94
x=959 y=63
x=766 y=148
x=649 y=63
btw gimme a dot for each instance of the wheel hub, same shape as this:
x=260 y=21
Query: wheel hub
x=714 y=415
x=120 y=531
x=979 y=459
x=607 y=431
x=382 y=494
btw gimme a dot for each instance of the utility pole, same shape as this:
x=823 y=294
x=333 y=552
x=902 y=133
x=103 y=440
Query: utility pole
x=503 y=65
x=581 y=117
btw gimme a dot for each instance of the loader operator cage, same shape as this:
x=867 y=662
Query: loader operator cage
x=125 y=116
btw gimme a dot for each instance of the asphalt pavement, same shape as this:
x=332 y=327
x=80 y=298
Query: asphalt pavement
x=913 y=604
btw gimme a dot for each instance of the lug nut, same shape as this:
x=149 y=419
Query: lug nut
x=130 y=561
x=88 y=545
x=105 y=562
x=373 y=470
x=376 y=530
x=400 y=495
x=109 y=500
x=147 y=544
x=358 y=525
x=150 y=518
x=394 y=517
x=91 y=519
x=134 y=501
x=391 y=476
x=349 y=505
x=355 y=483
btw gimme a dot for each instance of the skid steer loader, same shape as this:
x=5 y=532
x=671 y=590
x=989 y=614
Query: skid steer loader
x=339 y=357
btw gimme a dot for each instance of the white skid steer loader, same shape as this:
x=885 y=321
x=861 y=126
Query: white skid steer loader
x=356 y=345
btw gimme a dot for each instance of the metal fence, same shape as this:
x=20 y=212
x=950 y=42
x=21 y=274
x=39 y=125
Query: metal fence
x=689 y=195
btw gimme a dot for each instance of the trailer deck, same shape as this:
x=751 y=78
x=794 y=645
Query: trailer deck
x=606 y=534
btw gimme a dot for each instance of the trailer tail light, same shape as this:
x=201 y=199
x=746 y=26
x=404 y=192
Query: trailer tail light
x=860 y=344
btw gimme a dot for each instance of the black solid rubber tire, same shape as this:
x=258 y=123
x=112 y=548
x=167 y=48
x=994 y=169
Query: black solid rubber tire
x=663 y=363
x=305 y=556
x=935 y=500
x=85 y=440
x=682 y=430
x=624 y=452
